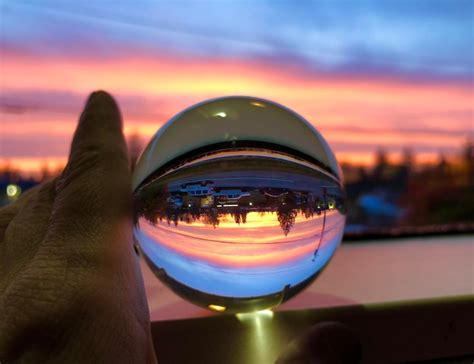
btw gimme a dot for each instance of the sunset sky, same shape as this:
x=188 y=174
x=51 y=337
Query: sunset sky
x=367 y=74
x=241 y=260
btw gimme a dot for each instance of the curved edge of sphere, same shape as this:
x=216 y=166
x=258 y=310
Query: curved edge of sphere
x=232 y=118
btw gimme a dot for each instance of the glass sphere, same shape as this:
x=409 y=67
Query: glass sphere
x=239 y=204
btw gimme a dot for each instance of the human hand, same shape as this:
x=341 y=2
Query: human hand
x=71 y=289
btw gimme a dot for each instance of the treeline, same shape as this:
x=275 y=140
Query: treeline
x=412 y=194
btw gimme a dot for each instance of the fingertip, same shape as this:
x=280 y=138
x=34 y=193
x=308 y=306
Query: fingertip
x=99 y=96
x=99 y=136
x=101 y=102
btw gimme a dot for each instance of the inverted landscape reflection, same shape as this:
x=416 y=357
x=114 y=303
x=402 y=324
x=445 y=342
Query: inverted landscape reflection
x=242 y=225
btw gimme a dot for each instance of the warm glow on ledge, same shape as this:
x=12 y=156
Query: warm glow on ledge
x=254 y=316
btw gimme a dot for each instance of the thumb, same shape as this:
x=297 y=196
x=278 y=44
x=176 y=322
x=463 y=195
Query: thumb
x=95 y=187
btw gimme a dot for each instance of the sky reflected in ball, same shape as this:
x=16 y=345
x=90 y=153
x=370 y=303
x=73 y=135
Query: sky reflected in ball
x=239 y=204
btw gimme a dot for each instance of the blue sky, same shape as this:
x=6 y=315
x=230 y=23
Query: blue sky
x=400 y=73
x=419 y=38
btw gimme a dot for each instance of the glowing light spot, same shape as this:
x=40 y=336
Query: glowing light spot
x=250 y=204
x=265 y=313
x=221 y=114
x=258 y=324
x=13 y=190
x=255 y=316
x=217 y=308
x=258 y=104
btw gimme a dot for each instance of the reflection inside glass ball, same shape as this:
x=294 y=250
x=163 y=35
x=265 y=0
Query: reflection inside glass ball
x=239 y=225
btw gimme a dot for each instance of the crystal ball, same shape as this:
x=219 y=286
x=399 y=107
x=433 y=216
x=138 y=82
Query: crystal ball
x=239 y=204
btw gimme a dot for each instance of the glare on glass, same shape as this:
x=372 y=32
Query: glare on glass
x=239 y=204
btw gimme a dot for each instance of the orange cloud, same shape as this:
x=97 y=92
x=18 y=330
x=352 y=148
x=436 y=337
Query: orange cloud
x=167 y=84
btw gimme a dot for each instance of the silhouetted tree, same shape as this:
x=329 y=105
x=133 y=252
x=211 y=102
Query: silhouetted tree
x=211 y=217
x=381 y=165
x=286 y=218
x=468 y=160
x=135 y=147
x=442 y=166
x=404 y=170
x=45 y=173
x=362 y=174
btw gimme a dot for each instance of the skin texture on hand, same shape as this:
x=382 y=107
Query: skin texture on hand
x=71 y=289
